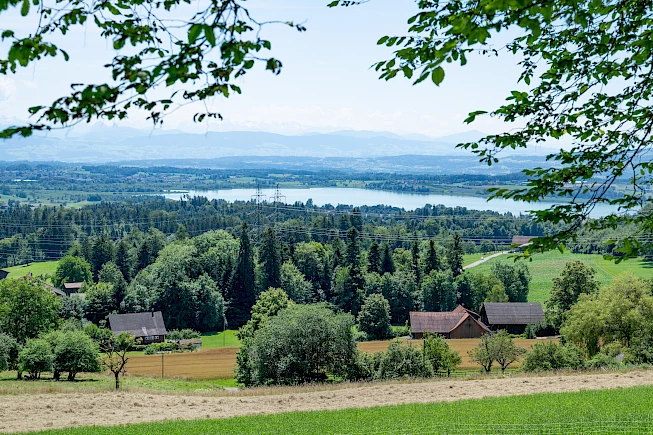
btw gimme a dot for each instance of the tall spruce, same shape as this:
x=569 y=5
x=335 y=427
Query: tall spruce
x=144 y=258
x=353 y=260
x=414 y=251
x=123 y=260
x=432 y=261
x=270 y=257
x=243 y=286
x=387 y=262
x=374 y=258
x=455 y=255
x=103 y=252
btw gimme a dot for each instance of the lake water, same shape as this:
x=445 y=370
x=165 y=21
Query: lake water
x=358 y=197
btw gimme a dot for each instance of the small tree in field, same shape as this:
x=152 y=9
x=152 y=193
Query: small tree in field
x=505 y=350
x=483 y=353
x=374 y=317
x=9 y=349
x=76 y=352
x=115 y=354
x=36 y=358
x=438 y=352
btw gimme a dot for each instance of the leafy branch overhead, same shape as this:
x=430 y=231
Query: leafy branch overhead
x=196 y=57
x=587 y=66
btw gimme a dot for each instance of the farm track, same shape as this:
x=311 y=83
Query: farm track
x=47 y=411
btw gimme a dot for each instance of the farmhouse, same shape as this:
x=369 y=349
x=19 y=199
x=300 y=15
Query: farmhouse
x=454 y=324
x=3 y=274
x=461 y=309
x=72 y=287
x=47 y=285
x=149 y=327
x=511 y=316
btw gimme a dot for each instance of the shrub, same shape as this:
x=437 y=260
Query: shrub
x=374 y=317
x=76 y=352
x=9 y=349
x=439 y=354
x=303 y=343
x=403 y=362
x=365 y=366
x=602 y=361
x=36 y=357
x=182 y=334
x=167 y=346
x=553 y=356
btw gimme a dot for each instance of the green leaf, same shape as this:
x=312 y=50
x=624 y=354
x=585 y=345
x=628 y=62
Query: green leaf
x=24 y=10
x=383 y=40
x=209 y=34
x=437 y=75
x=194 y=33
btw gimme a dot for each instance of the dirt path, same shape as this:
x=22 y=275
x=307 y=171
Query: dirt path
x=45 y=411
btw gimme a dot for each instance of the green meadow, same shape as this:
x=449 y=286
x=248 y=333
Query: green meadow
x=624 y=411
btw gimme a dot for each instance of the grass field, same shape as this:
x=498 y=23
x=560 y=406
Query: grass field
x=219 y=363
x=623 y=411
x=101 y=383
x=36 y=269
x=211 y=340
x=544 y=267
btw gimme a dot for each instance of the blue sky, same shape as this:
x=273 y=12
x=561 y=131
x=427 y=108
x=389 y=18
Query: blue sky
x=326 y=83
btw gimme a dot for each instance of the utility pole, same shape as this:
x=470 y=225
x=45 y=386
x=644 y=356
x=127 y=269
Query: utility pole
x=277 y=199
x=258 y=199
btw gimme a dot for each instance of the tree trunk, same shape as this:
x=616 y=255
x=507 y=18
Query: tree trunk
x=71 y=376
x=117 y=380
x=56 y=375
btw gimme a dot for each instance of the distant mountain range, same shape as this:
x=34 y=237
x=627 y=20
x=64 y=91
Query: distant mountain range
x=101 y=144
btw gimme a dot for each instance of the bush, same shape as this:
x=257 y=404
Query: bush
x=403 y=362
x=303 y=343
x=36 y=357
x=374 y=317
x=553 y=356
x=167 y=346
x=401 y=331
x=9 y=349
x=182 y=334
x=439 y=354
x=603 y=361
x=75 y=352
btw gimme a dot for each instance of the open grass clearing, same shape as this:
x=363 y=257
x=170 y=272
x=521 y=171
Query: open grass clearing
x=211 y=340
x=36 y=269
x=434 y=407
x=546 y=266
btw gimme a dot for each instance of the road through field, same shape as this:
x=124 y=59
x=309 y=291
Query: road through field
x=46 y=411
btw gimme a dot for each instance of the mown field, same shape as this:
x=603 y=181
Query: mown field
x=624 y=411
x=36 y=269
x=219 y=363
x=544 y=267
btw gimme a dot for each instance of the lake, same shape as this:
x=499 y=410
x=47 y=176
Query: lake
x=358 y=197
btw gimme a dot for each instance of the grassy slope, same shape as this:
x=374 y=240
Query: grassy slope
x=548 y=265
x=36 y=269
x=554 y=413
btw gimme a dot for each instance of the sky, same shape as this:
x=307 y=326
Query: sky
x=326 y=83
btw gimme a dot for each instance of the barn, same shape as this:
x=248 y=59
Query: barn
x=72 y=287
x=511 y=316
x=454 y=324
x=149 y=327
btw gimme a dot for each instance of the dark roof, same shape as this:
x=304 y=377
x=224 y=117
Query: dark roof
x=138 y=324
x=513 y=313
x=439 y=323
x=73 y=285
x=522 y=240
x=461 y=309
x=3 y=274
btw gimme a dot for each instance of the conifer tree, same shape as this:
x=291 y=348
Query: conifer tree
x=415 y=261
x=143 y=259
x=243 y=286
x=353 y=259
x=387 y=262
x=374 y=258
x=270 y=257
x=432 y=260
x=123 y=260
x=455 y=255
